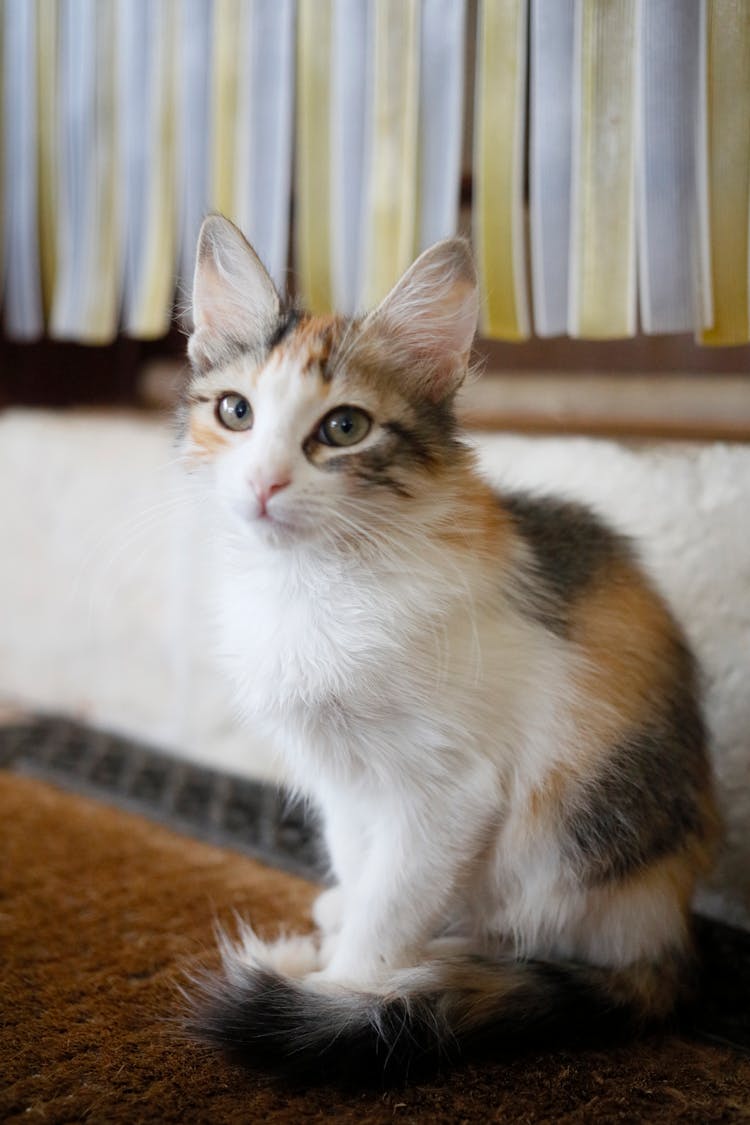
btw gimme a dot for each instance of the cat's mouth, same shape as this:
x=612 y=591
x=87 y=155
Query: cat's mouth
x=266 y=520
x=275 y=526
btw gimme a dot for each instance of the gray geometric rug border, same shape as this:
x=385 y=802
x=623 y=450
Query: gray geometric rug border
x=252 y=817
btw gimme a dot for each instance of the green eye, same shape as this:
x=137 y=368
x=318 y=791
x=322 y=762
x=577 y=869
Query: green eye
x=345 y=426
x=235 y=413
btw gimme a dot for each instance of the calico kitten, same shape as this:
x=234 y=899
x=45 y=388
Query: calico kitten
x=490 y=705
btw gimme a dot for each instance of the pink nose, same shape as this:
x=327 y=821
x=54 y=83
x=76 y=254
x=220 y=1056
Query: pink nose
x=264 y=491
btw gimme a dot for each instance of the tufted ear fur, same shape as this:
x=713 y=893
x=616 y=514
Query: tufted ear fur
x=234 y=299
x=425 y=326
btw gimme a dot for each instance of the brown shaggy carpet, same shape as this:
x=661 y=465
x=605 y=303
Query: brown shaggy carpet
x=101 y=909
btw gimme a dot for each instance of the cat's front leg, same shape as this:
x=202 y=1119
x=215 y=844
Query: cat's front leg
x=328 y=910
x=346 y=834
x=420 y=850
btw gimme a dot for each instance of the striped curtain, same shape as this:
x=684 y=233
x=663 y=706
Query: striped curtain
x=609 y=179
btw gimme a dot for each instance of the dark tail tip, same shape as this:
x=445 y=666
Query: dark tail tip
x=269 y=1022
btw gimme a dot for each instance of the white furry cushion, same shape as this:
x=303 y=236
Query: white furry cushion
x=106 y=563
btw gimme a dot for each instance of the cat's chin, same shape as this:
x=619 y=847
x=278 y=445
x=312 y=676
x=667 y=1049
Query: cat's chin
x=272 y=531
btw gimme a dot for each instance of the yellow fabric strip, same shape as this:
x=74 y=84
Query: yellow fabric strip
x=499 y=168
x=602 y=283
x=728 y=166
x=152 y=310
x=47 y=145
x=228 y=35
x=393 y=158
x=100 y=304
x=313 y=169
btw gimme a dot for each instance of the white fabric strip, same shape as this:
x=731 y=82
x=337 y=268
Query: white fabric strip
x=350 y=125
x=146 y=101
x=193 y=131
x=85 y=301
x=135 y=47
x=668 y=85
x=76 y=81
x=263 y=131
x=441 y=88
x=704 y=283
x=392 y=179
x=152 y=309
x=20 y=244
x=550 y=144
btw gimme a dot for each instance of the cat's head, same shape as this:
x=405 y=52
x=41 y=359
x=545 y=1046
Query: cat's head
x=321 y=426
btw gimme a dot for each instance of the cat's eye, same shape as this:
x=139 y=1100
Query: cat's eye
x=235 y=412
x=344 y=426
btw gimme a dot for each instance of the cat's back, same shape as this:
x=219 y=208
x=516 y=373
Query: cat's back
x=635 y=781
x=582 y=583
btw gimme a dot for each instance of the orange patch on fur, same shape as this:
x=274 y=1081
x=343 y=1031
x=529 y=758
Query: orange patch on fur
x=669 y=881
x=483 y=526
x=630 y=645
x=671 y=877
x=662 y=891
x=207 y=439
x=549 y=795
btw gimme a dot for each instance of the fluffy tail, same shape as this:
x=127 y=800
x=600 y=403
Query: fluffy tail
x=430 y=1015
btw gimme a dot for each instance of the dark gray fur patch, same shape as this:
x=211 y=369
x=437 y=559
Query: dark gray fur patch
x=373 y=468
x=570 y=548
x=427 y=442
x=650 y=798
x=235 y=348
x=288 y=320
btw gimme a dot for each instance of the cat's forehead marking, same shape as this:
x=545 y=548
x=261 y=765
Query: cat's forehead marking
x=312 y=342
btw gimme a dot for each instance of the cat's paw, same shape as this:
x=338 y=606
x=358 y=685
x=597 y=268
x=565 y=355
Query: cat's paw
x=358 y=974
x=328 y=946
x=292 y=955
x=324 y=981
x=328 y=910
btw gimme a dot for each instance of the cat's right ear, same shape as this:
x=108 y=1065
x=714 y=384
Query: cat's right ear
x=234 y=299
x=424 y=328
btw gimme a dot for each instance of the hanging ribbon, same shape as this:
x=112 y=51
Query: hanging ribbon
x=499 y=168
x=602 y=282
x=20 y=244
x=313 y=187
x=669 y=82
x=193 y=131
x=727 y=205
x=148 y=123
x=350 y=124
x=441 y=90
x=85 y=305
x=392 y=193
x=552 y=43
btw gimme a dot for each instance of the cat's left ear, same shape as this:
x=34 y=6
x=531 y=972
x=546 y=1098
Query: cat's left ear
x=427 y=322
x=234 y=299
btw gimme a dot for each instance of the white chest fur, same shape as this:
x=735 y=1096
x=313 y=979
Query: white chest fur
x=382 y=670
